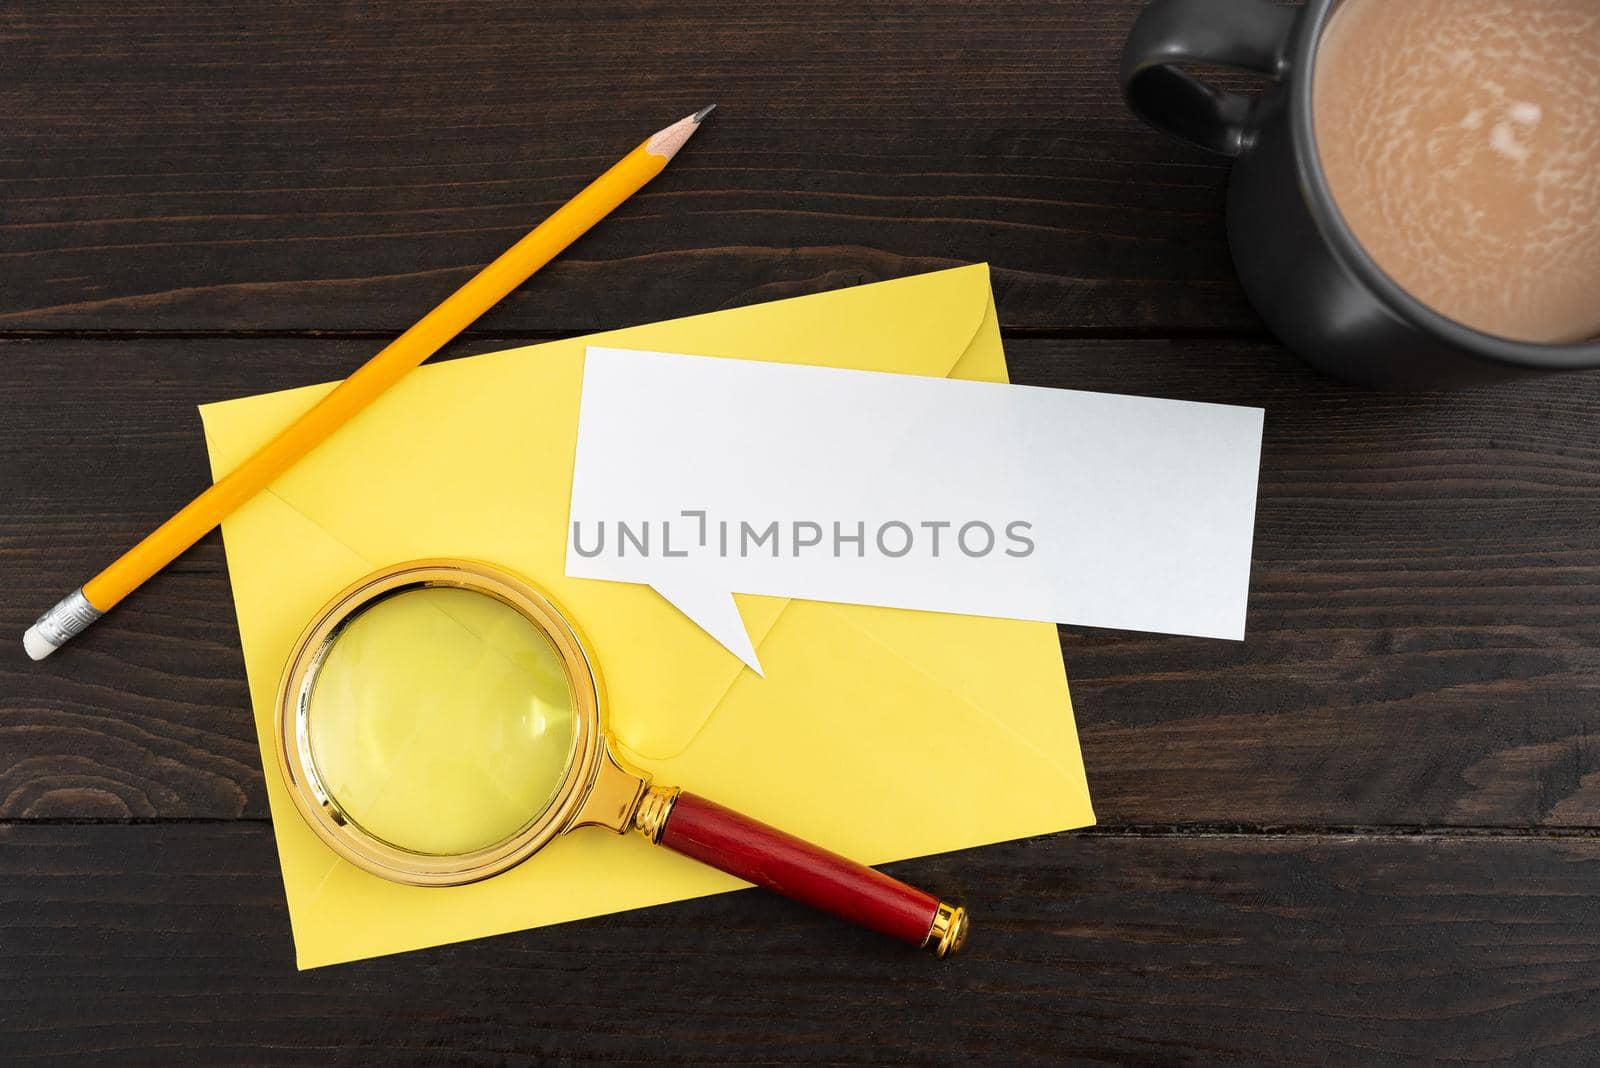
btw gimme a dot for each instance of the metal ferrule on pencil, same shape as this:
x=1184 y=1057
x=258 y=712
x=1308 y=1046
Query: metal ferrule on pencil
x=70 y=617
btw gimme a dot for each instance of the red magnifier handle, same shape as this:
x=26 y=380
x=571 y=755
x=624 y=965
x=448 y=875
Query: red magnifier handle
x=768 y=857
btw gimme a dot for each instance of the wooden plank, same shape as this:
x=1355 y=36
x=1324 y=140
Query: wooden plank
x=126 y=943
x=179 y=165
x=1424 y=638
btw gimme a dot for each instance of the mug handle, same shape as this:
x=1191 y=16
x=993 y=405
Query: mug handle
x=1244 y=34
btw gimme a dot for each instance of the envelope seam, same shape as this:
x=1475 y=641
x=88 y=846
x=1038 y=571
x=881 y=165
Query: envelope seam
x=833 y=608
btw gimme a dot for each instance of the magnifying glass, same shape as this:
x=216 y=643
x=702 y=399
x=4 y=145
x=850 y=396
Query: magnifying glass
x=440 y=721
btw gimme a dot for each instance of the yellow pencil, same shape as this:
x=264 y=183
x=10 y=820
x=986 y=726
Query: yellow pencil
x=94 y=598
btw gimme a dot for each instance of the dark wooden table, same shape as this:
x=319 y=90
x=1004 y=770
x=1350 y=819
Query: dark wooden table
x=1366 y=834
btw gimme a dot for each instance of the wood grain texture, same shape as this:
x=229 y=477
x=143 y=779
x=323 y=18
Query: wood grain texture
x=1424 y=632
x=1367 y=834
x=159 y=945
x=305 y=166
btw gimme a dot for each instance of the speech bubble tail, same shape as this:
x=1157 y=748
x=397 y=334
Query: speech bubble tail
x=714 y=612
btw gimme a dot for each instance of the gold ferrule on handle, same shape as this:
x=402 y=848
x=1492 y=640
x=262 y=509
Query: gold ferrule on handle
x=949 y=931
x=650 y=818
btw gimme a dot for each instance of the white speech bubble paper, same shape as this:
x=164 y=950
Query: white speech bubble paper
x=704 y=477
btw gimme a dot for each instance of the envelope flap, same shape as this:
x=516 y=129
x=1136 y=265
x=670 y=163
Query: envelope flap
x=473 y=458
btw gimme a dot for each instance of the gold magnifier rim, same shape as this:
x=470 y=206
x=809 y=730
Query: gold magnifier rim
x=347 y=838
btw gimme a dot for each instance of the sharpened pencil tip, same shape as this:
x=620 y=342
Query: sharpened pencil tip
x=667 y=142
x=700 y=115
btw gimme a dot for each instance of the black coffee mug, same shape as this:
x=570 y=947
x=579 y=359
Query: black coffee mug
x=1300 y=264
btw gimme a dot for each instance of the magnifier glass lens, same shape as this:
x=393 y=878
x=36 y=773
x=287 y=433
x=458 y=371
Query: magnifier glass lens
x=441 y=720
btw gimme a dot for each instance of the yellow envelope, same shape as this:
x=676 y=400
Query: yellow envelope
x=879 y=733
